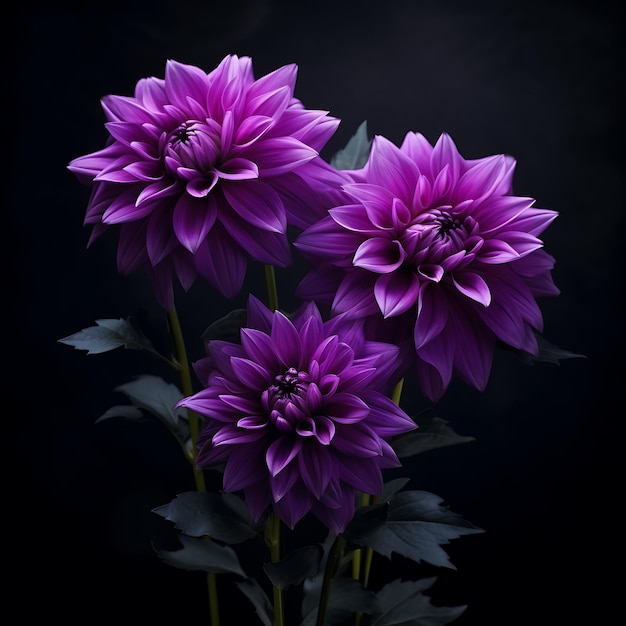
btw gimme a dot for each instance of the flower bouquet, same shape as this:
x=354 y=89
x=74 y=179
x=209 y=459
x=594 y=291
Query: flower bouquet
x=419 y=264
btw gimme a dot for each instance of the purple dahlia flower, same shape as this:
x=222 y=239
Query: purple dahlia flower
x=203 y=171
x=295 y=414
x=435 y=249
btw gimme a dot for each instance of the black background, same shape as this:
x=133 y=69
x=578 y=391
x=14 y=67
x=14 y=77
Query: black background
x=538 y=80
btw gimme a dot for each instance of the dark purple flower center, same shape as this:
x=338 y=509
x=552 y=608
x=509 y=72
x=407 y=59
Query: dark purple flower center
x=194 y=145
x=446 y=223
x=437 y=234
x=286 y=400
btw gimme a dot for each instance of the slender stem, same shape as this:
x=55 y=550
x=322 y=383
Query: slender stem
x=397 y=391
x=194 y=430
x=272 y=539
x=185 y=379
x=272 y=292
x=368 y=499
x=356 y=563
x=356 y=554
x=332 y=564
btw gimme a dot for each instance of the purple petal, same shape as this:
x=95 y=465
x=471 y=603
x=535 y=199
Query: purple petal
x=182 y=81
x=238 y=169
x=160 y=241
x=355 y=295
x=473 y=286
x=346 y=408
x=327 y=239
x=281 y=452
x=251 y=374
x=432 y=315
x=396 y=293
x=279 y=155
x=221 y=262
x=379 y=255
x=356 y=441
x=258 y=204
x=286 y=341
x=193 y=219
x=315 y=468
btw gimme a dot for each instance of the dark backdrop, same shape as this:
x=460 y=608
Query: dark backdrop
x=537 y=80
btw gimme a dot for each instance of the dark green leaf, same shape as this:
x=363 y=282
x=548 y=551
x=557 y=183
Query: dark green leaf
x=107 y=335
x=356 y=152
x=548 y=352
x=415 y=528
x=127 y=411
x=226 y=328
x=312 y=586
x=252 y=590
x=202 y=554
x=391 y=488
x=157 y=397
x=295 y=567
x=404 y=604
x=432 y=432
x=367 y=519
x=224 y=517
x=346 y=597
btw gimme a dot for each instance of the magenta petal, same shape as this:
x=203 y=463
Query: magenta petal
x=160 y=241
x=379 y=255
x=327 y=236
x=258 y=204
x=121 y=210
x=353 y=217
x=396 y=293
x=200 y=186
x=279 y=155
x=355 y=295
x=155 y=191
x=192 y=220
x=131 y=253
x=284 y=76
x=481 y=180
x=473 y=286
x=238 y=169
x=432 y=314
x=182 y=81
x=221 y=262
x=270 y=103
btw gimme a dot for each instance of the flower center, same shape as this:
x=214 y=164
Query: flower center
x=286 y=400
x=447 y=223
x=193 y=145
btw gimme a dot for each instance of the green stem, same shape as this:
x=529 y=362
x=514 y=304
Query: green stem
x=397 y=391
x=272 y=292
x=367 y=499
x=194 y=431
x=272 y=539
x=332 y=565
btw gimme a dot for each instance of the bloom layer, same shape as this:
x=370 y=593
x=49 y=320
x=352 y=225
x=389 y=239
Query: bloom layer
x=439 y=244
x=204 y=171
x=295 y=414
